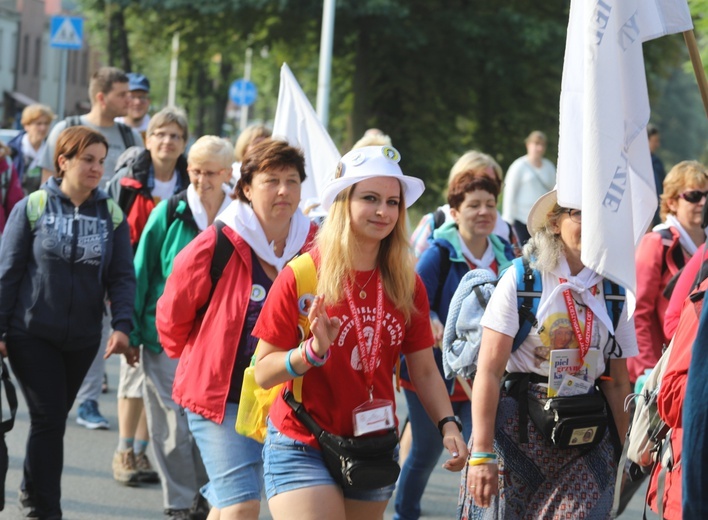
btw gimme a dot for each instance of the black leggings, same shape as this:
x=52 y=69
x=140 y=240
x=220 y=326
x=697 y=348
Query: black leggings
x=49 y=378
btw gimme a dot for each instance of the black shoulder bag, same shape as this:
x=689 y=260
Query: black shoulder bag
x=6 y=426
x=354 y=462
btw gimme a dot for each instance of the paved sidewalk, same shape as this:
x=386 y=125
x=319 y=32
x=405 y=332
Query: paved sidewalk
x=90 y=493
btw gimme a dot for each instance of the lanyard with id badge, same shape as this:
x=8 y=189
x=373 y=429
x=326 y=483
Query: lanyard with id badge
x=374 y=414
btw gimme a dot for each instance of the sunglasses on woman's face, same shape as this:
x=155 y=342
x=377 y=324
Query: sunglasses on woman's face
x=693 y=196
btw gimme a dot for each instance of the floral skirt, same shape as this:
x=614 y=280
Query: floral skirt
x=538 y=480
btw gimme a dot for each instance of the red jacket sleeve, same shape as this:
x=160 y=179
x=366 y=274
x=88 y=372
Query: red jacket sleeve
x=681 y=291
x=186 y=290
x=673 y=384
x=649 y=287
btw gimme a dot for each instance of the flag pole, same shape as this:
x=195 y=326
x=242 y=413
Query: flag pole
x=698 y=70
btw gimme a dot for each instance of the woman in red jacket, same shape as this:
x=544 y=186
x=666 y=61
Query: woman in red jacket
x=215 y=346
x=670 y=404
x=662 y=253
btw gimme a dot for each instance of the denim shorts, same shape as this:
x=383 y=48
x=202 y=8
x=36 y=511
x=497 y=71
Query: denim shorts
x=289 y=464
x=233 y=462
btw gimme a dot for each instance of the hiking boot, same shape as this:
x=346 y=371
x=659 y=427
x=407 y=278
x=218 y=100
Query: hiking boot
x=146 y=473
x=177 y=514
x=124 y=469
x=89 y=416
x=26 y=505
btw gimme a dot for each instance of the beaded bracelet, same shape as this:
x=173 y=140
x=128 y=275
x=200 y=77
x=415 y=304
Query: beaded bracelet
x=288 y=366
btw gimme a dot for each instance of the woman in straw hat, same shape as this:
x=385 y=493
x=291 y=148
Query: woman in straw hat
x=369 y=296
x=523 y=464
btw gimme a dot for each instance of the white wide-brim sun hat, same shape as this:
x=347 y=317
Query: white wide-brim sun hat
x=366 y=163
x=538 y=216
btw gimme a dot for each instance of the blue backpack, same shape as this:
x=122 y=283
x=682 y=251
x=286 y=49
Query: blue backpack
x=463 y=332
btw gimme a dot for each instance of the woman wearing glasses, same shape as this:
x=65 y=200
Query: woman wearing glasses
x=662 y=253
x=144 y=177
x=518 y=467
x=172 y=225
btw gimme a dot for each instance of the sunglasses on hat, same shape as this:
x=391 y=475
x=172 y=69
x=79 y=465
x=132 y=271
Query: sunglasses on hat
x=693 y=196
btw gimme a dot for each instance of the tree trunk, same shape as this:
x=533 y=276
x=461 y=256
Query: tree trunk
x=118 y=50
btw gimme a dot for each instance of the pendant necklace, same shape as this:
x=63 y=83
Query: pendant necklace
x=362 y=292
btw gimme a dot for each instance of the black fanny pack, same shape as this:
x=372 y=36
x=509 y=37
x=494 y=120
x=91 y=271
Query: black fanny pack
x=354 y=462
x=572 y=421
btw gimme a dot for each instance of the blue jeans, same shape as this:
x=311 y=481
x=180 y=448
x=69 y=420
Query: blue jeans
x=233 y=462
x=424 y=455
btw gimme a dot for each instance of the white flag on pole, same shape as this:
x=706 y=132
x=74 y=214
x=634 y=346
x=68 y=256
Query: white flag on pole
x=296 y=121
x=604 y=165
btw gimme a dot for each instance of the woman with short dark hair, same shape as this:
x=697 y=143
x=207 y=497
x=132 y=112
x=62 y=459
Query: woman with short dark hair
x=65 y=248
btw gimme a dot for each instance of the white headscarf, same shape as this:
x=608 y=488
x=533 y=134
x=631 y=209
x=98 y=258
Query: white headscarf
x=240 y=217
x=197 y=208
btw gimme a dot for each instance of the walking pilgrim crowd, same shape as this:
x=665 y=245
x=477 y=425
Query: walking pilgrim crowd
x=213 y=282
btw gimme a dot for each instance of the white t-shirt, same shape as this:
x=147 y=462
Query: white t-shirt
x=116 y=146
x=554 y=327
x=164 y=190
x=523 y=185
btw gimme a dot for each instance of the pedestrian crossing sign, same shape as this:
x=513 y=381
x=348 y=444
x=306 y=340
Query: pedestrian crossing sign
x=66 y=32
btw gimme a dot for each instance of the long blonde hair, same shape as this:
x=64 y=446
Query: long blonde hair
x=338 y=249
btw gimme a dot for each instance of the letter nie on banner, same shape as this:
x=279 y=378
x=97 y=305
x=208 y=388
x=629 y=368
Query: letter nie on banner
x=604 y=165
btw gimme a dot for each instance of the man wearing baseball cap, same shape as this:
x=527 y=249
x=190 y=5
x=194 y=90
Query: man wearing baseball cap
x=139 y=103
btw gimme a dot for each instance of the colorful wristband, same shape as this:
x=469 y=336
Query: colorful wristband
x=479 y=462
x=483 y=454
x=312 y=357
x=288 y=366
x=303 y=355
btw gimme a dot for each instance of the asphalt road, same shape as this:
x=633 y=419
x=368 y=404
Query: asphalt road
x=89 y=491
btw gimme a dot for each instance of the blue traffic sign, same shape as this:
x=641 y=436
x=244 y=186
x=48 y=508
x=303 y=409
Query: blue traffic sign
x=243 y=92
x=66 y=32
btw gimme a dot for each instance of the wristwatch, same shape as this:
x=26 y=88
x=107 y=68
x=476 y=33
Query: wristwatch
x=450 y=418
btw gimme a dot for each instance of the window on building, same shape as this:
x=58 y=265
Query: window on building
x=37 y=55
x=13 y=58
x=25 y=54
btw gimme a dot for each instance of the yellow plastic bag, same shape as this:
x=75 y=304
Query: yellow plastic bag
x=254 y=403
x=253 y=406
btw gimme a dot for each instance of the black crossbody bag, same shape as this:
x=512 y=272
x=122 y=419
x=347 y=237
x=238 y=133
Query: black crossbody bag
x=354 y=462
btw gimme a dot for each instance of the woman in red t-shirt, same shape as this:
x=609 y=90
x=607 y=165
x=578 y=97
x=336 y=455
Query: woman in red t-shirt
x=368 y=294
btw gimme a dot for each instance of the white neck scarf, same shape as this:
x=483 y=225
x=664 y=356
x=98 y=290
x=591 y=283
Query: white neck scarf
x=684 y=239
x=580 y=285
x=481 y=263
x=197 y=208
x=240 y=217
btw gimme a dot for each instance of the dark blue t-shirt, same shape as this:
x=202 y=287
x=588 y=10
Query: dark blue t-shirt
x=260 y=287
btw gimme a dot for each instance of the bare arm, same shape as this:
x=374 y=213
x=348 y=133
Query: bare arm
x=433 y=395
x=616 y=391
x=483 y=480
x=270 y=359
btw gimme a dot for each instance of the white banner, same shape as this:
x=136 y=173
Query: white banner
x=296 y=121
x=604 y=165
